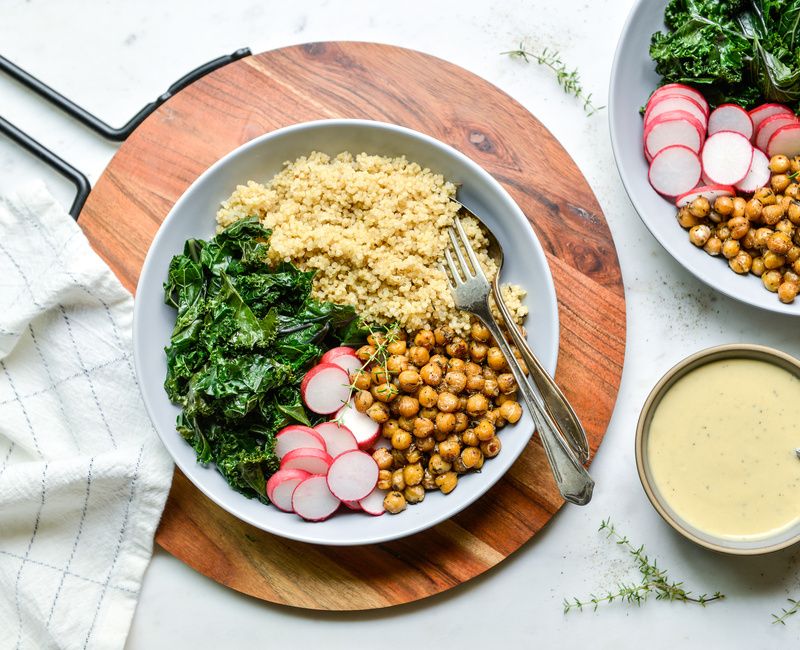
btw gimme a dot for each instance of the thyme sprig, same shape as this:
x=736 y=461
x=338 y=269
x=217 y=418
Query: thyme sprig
x=786 y=612
x=569 y=80
x=655 y=581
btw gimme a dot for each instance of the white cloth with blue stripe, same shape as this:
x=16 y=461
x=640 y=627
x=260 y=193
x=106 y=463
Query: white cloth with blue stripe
x=83 y=476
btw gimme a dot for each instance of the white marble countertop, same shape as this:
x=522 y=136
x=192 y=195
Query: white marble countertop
x=114 y=57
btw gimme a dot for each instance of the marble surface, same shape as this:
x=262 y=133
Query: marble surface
x=114 y=57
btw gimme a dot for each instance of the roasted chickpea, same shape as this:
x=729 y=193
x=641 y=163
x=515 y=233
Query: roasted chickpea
x=431 y=374
x=449 y=450
x=440 y=360
x=414 y=494
x=739 y=205
x=477 y=405
x=787 y=292
x=376 y=339
x=699 y=234
x=470 y=438
x=730 y=248
x=385 y=477
x=406 y=424
x=793 y=211
x=419 y=355
x=765 y=195
x=739 y=226
x=772 y=214
x=762 y=237
x=791 y=276
x=779 y=243
x=511 y=412
x=506 y=383
x=495 y=359
x=361 y=379
x=457 y=348
x=445 y=422
x=785 y=226
x=396 y=364
x=478 y=351
x=741 y=263
x=779 y=182
x=383 y=458
x=793 y=255
x=686 y=219
x=397 y=347
x=491 y=388
x=407 y=406
x=792 y=191
x=366 y=352
x=757 y=268
x=749 y=239
x=723 y=205
x=443 y=335
x=412 y=474
x=772 y=280
x=796 y=266
x=779 y=164
x=425 y=339
x=499 y=421
x=713 y=246
x=753 y=209
x=773 y=261
x=413 y=454
x=409 y=381
x=700 y=207
x=447 y=402
x=401 y=440
x=490 y=448
x=484 y=430
x=471 y=456
x=455 y=365
x=398 y=482
x=380 y=375
x=475 y=383
x=429 y=413
x=462 y=422
x=385 y=392
x=425 y=444
x=455 y=382
x=423 y=427
x=394 y=502
x=438 y=465
x=389 y=427
x=399 y=456
x=363 y=400
x=722 y=231
x=378 y=412
x=479 y=332
x=471 y=369
x=427 y=396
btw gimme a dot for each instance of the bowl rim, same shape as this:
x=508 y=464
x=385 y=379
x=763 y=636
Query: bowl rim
x=725 y=288
x=551 y=297
x=678 y=371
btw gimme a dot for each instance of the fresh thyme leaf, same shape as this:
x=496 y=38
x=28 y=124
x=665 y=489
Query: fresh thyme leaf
x=568 y=80
x=786 y=612
x=655 y=581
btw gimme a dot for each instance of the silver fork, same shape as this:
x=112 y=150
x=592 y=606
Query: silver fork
x=471 y=290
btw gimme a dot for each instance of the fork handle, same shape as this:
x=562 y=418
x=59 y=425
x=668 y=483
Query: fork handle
x=572 y=479
x=554 y=400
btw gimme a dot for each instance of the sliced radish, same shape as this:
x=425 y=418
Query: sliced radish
x=710 y=192
x=297 y=436
x=680 y=89
x=352 y=475
x=768 y=127
x=675 y=127
x=353 y=505
x=312 y=499
x=726 y=157
x=667 y=103
x=785 y=140
x=338 y=439
x=363 y=427
x=334 y=353
x=325 y=388
x=674 y=171
x=343 y=357
x=757 y=176
x=313 y=461
x=381 y=443
x=730 y=117
x=373 y=504
x=281 y=485
x=761 y=113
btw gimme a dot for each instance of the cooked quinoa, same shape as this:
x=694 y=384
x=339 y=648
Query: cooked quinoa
x=374 y=228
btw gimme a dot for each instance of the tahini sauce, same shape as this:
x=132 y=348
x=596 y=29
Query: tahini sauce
x=721 y=448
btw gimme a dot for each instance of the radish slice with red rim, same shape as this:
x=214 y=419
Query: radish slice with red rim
x=710 y=192
x=785 y=140
x=758 y=174
x=769 y=126
x=313 y=461
x=352 y=475
x=363 y=427
x=325 y=388
x=730 y=117
x=675 y=127
x=726 y=157
x=680 y=89
x=343 y=357
x=674 y=171
x=352 y=505
x=297 y=436
x=668 y=103
x=338 y=438
x=373 y=504
x=761 y=113
x=281 y=485
x=312 y=499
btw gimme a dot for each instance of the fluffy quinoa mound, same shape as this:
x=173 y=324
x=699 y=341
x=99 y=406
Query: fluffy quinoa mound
x=374 y=228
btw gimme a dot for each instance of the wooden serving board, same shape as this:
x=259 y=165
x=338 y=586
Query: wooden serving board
x=362 y=80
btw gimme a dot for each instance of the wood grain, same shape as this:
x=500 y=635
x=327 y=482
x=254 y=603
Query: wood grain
x=361 y=80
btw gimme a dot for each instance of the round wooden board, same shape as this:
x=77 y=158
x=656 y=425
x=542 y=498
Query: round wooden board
x=362 y=80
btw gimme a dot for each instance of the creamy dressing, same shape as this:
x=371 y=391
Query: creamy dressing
x=721 y=448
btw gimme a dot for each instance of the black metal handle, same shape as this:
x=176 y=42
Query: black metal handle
x=44 y=154
x=93 y=122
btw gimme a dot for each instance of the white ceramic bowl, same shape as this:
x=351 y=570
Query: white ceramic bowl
x=260 y=159
x=633 y=78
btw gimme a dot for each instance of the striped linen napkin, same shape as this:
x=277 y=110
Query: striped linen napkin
x=83 y=476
